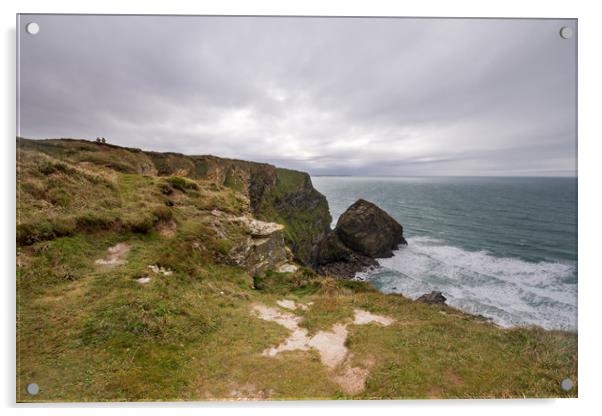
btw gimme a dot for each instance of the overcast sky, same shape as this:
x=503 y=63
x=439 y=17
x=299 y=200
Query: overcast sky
x=328 y=96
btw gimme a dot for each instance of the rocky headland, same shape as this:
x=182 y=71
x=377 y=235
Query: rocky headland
x=363 y=233
x=147 y=276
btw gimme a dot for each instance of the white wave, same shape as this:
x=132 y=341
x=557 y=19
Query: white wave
x=511 y=291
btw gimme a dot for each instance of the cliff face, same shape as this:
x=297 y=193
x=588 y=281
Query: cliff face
x=274 y=194
x=292 y=200
x=280 y=195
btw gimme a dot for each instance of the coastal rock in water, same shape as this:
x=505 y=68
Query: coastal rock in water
x=332 y=250
x=433 y=298
x=368 y=230
x=364 y=232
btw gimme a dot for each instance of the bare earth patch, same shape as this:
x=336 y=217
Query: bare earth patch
x=364 y=317
x=353 y=379
x=291 y=304
x=167 y=229
x=115 y=255
x=329 y=344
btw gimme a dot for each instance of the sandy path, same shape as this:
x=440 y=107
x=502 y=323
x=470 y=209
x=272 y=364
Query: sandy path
x=329 y=344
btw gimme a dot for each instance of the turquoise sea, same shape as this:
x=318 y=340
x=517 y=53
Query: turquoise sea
x=505 y=248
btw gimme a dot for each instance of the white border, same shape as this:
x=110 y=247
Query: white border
x=590 y=195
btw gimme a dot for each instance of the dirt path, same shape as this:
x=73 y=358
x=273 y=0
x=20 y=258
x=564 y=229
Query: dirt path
x=115 y=255
x=329 y=344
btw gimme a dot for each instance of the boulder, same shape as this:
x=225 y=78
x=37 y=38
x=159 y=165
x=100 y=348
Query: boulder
x=332 y=250
x=257 y=228
x=364 y=232
x=433 y=298
x=369 y=231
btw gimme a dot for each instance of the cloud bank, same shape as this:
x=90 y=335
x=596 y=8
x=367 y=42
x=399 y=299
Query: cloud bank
x=352 y=96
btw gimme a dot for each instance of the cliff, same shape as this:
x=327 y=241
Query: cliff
x=274 y=194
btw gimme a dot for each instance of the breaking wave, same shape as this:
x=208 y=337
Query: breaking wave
x=510 y=291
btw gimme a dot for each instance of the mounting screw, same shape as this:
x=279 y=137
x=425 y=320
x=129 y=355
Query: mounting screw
x=32 y=28
x=33 y=389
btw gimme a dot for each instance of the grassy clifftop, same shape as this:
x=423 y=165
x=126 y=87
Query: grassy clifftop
x=127 y=290
x=274 y=194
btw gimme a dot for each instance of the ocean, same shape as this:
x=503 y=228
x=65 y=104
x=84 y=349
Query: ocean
x=504 y=248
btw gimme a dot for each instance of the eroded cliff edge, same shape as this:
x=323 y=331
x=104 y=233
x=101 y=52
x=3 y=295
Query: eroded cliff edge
x=274 y=194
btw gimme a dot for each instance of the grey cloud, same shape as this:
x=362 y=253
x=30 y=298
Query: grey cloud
x=351 y=96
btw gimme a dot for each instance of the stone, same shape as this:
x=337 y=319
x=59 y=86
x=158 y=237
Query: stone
x=364 y=232
x=287 y=268
x=433 y=298
x=257 y=228
x=368 y=230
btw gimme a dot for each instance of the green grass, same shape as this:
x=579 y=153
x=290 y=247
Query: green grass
x=189 y=336
x=92 y=333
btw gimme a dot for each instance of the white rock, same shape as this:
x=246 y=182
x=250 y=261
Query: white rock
x=287 y=268
x=158 y=269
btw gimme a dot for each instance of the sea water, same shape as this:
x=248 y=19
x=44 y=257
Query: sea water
x=504 y=248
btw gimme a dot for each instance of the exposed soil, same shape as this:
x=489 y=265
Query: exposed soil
x=290 y=304
x=115 y=255
x=364 y=317
x=329 y=344
x=353 y=379
x=167 y=229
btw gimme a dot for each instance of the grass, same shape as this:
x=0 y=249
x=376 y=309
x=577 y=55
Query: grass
x=88 y=332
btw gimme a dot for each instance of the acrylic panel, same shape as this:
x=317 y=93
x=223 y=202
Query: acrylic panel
x=269 y=208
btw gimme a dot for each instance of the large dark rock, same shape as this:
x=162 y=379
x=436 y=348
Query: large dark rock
x=433 y=298
x=364 y=232
x=368 y=230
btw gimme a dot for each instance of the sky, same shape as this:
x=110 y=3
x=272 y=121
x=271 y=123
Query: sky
x=331 y=96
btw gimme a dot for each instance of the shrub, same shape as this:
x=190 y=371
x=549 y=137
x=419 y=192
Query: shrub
x=141 y=225
x=223 y=246
x=162 y=213
x=59 y=197
x=182 y=184
x=34 y=190
x=166 y=189
x=93 y=221
x=48 y=168
x=31 y=233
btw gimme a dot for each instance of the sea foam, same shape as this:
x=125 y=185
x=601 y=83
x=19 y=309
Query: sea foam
x=510 y=291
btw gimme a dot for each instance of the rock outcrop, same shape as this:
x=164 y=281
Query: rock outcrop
x=261 y=249
x=276 y=195
x=433 y=298
x=368 y=230
x=364 y=232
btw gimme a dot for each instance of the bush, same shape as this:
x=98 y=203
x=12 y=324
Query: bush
x=162 y=213
x=59 y=197
x=142 y=225
x=31 y=233
x=93 y=221
x=182 y=184
x=49 y=168
x=223 y=246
